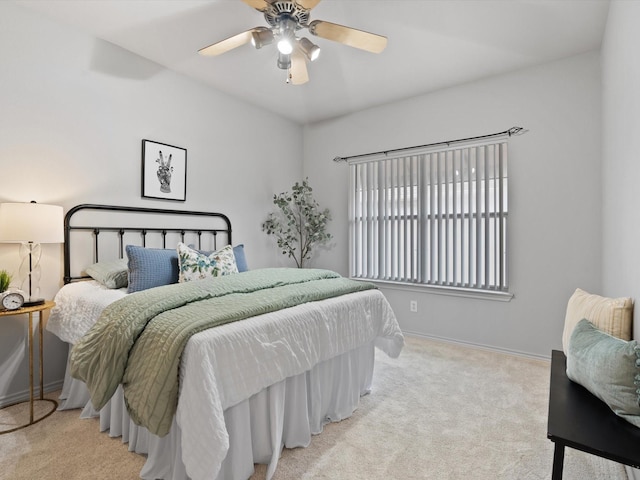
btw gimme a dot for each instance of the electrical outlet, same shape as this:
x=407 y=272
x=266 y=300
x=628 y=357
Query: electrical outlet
x=413 y=305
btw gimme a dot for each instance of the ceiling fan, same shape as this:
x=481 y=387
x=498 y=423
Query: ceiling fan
x=286 y=18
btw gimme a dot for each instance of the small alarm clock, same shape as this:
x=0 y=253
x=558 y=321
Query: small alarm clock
x=12 y=299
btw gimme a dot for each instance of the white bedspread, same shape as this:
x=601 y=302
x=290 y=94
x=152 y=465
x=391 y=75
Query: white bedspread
x=244 y=357
x=78 y=306
x=248 y=356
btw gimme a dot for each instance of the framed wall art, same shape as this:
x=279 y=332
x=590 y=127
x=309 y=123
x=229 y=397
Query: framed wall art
x=164 y=171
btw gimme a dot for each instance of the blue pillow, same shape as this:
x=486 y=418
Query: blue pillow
x=241 y=260
x=151 y=267
x=238 y=252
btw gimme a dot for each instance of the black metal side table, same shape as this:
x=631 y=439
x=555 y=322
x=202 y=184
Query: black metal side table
x=580 y=420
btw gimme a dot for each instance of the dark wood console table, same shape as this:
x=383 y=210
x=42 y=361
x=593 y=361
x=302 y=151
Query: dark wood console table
x=580 y=420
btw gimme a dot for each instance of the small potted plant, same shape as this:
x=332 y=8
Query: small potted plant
x=5 y=280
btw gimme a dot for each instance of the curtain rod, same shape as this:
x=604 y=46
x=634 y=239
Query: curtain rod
x=513 y=131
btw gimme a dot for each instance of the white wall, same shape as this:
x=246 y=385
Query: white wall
x=74 y=110
x=620 y=153
x=620 y=165
x=555 y=191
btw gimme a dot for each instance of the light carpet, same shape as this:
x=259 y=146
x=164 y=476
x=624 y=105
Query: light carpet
x=440 y=411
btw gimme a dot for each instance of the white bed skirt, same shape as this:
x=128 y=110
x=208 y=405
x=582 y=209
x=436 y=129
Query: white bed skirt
x=284 y=414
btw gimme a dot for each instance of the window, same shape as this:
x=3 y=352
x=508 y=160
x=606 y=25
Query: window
x=436 y=217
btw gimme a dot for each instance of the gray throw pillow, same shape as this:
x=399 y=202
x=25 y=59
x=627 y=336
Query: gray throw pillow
x=111 y=273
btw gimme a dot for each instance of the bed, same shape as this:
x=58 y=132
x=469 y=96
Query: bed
x=247 y=388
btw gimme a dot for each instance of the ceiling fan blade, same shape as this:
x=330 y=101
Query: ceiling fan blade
x=349 y=36
x=260 y=5
x=298 y=73
x=227 y=44
x=307 y=4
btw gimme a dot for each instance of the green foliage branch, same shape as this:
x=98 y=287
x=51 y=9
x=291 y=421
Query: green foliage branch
x=299 y=224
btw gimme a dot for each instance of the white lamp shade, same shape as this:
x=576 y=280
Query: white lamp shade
x=31 y=222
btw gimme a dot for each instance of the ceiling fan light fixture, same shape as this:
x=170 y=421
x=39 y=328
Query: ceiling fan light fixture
x=285 y=46
x=310 y=50
x=287 y=30
x=261 y=37
x=284 y=61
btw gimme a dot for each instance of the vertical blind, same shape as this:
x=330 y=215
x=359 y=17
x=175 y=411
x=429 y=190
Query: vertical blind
x=432 y=217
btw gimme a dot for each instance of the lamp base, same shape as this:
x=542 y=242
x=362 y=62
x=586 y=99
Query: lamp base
x=32 y=302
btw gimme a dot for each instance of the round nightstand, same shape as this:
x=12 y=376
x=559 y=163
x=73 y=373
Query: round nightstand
x=30 y=311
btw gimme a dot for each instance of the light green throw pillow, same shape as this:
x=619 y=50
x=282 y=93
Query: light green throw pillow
x=112 y=273
x=194 y=265
x=608 y=367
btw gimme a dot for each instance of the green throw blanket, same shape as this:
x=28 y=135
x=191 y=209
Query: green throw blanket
x=139 y=339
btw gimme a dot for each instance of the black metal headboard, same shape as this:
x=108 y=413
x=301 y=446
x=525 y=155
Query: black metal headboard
x=120 y=226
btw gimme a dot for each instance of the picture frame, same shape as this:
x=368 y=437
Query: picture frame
x=164 y=171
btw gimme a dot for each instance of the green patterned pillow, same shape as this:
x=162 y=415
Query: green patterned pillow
x=194 y=265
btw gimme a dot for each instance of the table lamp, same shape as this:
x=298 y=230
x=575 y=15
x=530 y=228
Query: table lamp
x=31 y=224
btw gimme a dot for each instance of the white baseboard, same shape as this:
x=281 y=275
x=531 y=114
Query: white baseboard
x=24 y=395
x=480 y=346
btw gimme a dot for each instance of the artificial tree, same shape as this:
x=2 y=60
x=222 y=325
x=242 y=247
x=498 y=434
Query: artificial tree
x=299 y=224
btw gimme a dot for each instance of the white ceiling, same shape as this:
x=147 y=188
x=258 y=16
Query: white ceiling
x=432 y=44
